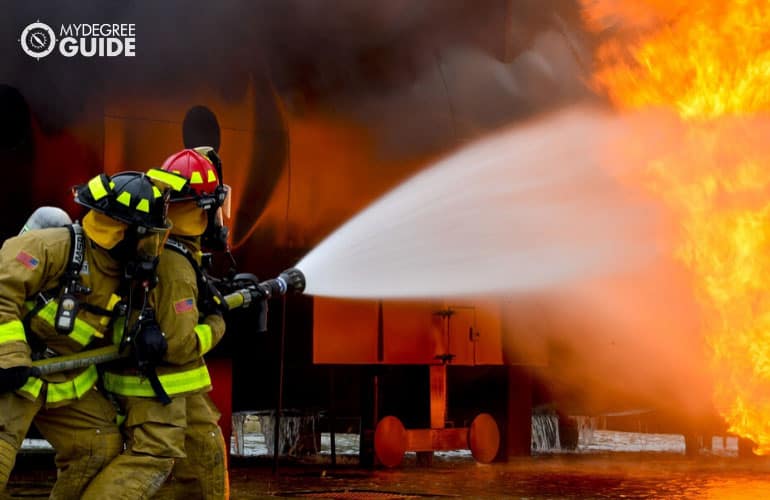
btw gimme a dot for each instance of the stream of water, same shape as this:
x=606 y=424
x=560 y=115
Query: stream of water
x=528 y=208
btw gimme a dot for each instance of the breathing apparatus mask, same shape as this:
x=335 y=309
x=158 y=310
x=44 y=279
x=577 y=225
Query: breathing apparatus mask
x=140 y=249
x=216 y=233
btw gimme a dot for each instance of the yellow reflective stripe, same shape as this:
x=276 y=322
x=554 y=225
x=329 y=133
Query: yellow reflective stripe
x=114 y=299
x=96 y=186
x=143 y=206
x=13 y=331
x=124 y=198
x=196 y=178
x=82 y=332
x=204 y=338
x=174 y=181
x=212 y=177
x=156 y=192
x=173 y=383
x=117 y=330
x=74 y=388
x=32 y=387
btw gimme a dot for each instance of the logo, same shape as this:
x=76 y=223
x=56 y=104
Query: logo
x=183 y=306
x=27 y=260
x=38 y=40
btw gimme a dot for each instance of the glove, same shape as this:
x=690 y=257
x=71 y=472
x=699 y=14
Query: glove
x=150 y=344
x=213 y=302
x=15 y=377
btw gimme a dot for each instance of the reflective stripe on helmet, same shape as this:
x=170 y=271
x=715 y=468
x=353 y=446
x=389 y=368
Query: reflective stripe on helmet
x=124 y=198
x=174 y=383
x=205 y=338
x=174 y=181
x=195 y=178
x=12 y=331
x=96 y=186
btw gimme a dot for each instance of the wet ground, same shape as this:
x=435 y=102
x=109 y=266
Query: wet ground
x=544 y=477
x=576 y=475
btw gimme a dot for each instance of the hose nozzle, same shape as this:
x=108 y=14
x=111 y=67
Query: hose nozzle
x=291 y=280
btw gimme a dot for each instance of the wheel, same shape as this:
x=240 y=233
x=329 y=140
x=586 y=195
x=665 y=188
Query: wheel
x=390 y=441
x=484 y=438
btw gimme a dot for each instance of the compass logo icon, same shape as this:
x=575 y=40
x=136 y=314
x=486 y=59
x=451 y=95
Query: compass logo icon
x=38 y=40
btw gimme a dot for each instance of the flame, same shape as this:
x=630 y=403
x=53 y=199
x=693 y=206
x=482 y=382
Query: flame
x=709 y=64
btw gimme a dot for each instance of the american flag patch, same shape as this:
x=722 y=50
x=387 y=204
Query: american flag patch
x=183 y=305
x=29 y=261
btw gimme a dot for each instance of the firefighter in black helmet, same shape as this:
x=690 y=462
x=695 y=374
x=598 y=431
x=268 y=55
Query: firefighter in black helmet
x=61 y=292
x=182 y=435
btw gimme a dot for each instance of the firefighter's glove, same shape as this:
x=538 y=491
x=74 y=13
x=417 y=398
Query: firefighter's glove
x=15 y=377
x=150 y=344
x=213 y=302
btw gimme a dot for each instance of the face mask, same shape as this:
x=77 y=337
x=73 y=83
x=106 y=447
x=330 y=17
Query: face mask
x=216 y=234
x=147 y=247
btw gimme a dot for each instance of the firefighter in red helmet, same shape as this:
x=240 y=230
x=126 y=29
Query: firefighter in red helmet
x=60 y=290
x=182 y=436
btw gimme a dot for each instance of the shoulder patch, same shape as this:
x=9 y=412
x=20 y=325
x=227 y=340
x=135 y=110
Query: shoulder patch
x=27 y=260
x=184 y=305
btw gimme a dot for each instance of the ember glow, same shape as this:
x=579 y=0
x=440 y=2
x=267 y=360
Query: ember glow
x=708 y=64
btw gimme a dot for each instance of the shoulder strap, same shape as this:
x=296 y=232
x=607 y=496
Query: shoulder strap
x=77 y=250
x=67 y=310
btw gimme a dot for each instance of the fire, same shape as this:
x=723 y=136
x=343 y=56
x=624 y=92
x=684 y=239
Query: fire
x=709 y=64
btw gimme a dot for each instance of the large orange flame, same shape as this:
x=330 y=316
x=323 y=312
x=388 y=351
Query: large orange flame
x=709 y=63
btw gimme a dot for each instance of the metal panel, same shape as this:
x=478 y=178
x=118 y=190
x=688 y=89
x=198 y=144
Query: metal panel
x=412 y=333
x=344 y=331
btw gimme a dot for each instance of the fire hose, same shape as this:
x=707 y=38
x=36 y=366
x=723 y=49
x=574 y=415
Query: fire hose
x=289 y=281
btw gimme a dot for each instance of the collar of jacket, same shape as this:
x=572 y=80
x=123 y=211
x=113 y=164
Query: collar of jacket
x=193 y=244
x=99 y=258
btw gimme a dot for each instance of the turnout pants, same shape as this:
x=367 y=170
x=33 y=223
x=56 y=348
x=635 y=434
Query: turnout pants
x=83 y=432
x=155 y=439
x=203 y=474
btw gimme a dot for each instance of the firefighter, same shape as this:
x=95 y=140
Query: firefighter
x=184 y=434
x=60 y=292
